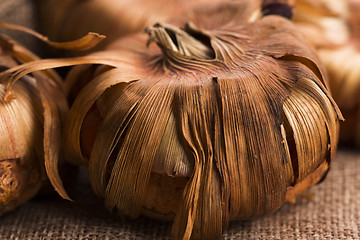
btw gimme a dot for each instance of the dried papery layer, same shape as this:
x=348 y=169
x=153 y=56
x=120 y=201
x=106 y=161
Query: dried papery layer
x=21 y=172
x=64 y=20
x=202 y=107
x=343 y=69
x=323 y=21
x=32 y=115
x=112 y=18
x=342 y=64
x=25 y=135
x=340 y=56
x=222 y=13
x=84 y=43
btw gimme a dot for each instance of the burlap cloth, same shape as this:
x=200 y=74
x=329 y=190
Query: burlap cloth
x=20 y=12
x=331 y=210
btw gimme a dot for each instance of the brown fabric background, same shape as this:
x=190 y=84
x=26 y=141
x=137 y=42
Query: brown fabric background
x=20 y=12
x=331 y=210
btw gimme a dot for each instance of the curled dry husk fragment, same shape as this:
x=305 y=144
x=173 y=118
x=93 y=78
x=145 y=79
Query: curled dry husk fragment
x=202 y=124
x=333 y=28
x=32 y=113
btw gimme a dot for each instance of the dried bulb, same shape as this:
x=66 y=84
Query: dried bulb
x=181 y=129
x=324 y=20
x=21 y=140
x=176 y=122
x=339 y=49
x=32 y=111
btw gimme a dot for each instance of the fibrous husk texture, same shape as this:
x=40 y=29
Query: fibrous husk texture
x=31 y=114
x=333 y=29
x=241 y=112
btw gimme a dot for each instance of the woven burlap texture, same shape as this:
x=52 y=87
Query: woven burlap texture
x=331 y=210
x=20 y=12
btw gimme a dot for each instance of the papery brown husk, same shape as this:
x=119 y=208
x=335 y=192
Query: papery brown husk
x=65 y=20
x=21 y=173
x=182 y=130
x=32 y=114
x=332 y=27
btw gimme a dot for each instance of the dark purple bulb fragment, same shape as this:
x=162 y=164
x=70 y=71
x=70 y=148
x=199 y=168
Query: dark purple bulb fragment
x=280 y=9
